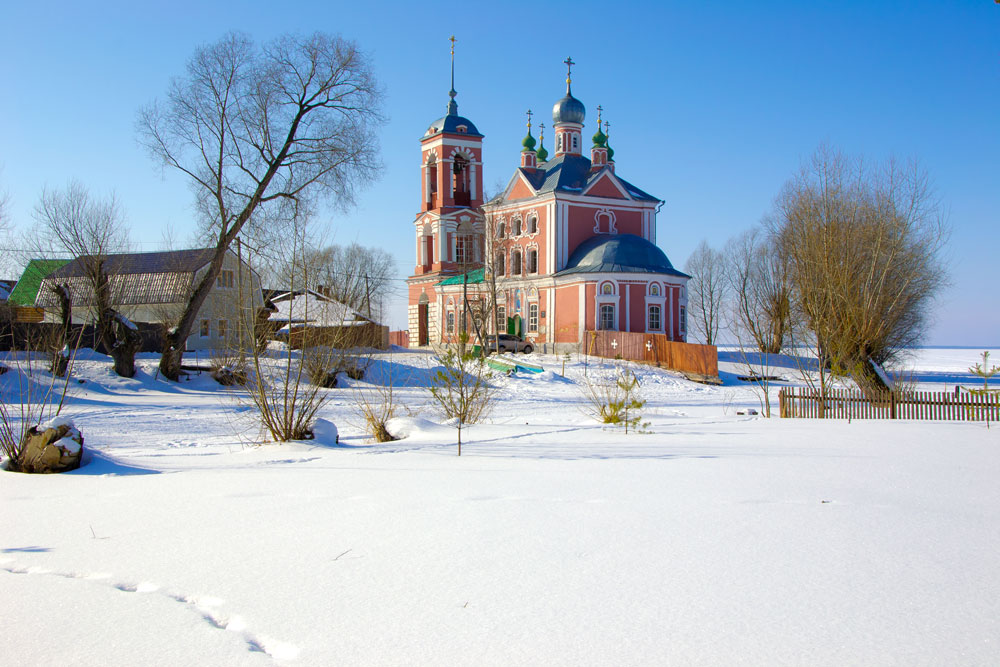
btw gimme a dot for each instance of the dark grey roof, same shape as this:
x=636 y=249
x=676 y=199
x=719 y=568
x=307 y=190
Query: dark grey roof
x=571 y=173
x=172 y=261
x=619 y=253
x=450 y=124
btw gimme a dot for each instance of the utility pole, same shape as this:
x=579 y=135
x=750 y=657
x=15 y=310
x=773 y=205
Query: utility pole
x=368 y=300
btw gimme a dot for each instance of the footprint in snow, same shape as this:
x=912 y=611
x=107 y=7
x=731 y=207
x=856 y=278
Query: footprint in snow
x=207 y=607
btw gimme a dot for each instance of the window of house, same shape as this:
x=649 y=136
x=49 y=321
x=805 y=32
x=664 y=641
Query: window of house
x=607 y=319
x=654 y=322
x=533 y=261
x=683 y=319
x=463 y=249
x=532 y=317
x=574 y=142
x=515 y=263
x=450 y=322
x=501 y=318
x=500 y=264
x=532 y=225
x=223 y=329
x=516 y=222
x=205 y=328
x=501 y=229
x=225 y=278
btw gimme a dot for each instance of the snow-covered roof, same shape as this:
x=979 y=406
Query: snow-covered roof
x=315 y=310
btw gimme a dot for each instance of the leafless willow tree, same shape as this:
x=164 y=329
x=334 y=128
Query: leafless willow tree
x=90 y=230
x=756 y=272
x=706 y=291
x=261 y=131
x=862 y=242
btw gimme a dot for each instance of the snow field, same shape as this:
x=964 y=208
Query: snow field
x=713 y=539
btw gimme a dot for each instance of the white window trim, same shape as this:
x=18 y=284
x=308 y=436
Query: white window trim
x=661 y=302
x=597 y=312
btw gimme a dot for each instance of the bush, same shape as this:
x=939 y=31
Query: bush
x=615 y=399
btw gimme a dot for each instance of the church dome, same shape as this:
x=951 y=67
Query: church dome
x=568 y=110
x=619 y=253
x=454 y=124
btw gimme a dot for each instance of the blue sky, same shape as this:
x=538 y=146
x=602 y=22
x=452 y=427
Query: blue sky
x=713 y=105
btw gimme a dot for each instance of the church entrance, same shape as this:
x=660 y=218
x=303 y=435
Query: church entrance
x=423 y=337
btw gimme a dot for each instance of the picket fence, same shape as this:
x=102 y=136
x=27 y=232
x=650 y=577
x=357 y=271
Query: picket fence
x=853 y=404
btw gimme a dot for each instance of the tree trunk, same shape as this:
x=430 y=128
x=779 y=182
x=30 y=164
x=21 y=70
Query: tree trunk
x=173 y=354
x=122 y=341
x=60 y=359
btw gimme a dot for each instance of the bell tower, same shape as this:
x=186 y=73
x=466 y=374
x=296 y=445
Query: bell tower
x=449 y=225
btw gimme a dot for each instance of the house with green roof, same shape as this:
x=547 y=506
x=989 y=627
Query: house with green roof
x=26 y=290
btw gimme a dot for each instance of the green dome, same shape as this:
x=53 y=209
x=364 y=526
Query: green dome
x=542 y=154
x=611 y=152
x=600 y=139
x=529 y=142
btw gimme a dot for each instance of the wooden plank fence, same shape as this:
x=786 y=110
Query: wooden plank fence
x=655 y=349
x=853 y=404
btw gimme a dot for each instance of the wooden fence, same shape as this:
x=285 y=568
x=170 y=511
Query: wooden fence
x=852 y=404
x=655 y=349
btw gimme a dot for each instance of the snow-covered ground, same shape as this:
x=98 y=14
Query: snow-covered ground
x=712 y=538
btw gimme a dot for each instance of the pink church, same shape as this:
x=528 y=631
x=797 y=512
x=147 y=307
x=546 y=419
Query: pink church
x=572 y=245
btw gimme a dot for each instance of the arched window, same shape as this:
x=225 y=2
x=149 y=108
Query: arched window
x=532 y=224
x=432 y=176
x=607 y=288
x=607 y=319
x=654 y=322
x=654 y=290
x=515 y=263
x=500 y=266
x=463 y=249
x=501 y=229
x=460 y=183
x=533 y=260
x=516 y=222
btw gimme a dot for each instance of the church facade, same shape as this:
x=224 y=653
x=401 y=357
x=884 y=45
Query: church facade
x=569 y=246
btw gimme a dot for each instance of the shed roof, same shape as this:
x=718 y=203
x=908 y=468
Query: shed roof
x=170 y=261
x=26 y=289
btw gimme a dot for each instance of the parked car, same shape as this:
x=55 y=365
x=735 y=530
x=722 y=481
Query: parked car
x=510 y=343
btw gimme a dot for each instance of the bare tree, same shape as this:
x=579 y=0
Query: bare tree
x=260 y=131
x=359 y=277
x=706 y=291
x=286 y=402
x=756 y=272
x=91 y=230
x=862 y=243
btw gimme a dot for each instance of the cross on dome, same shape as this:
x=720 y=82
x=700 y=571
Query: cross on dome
x=452 y=104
